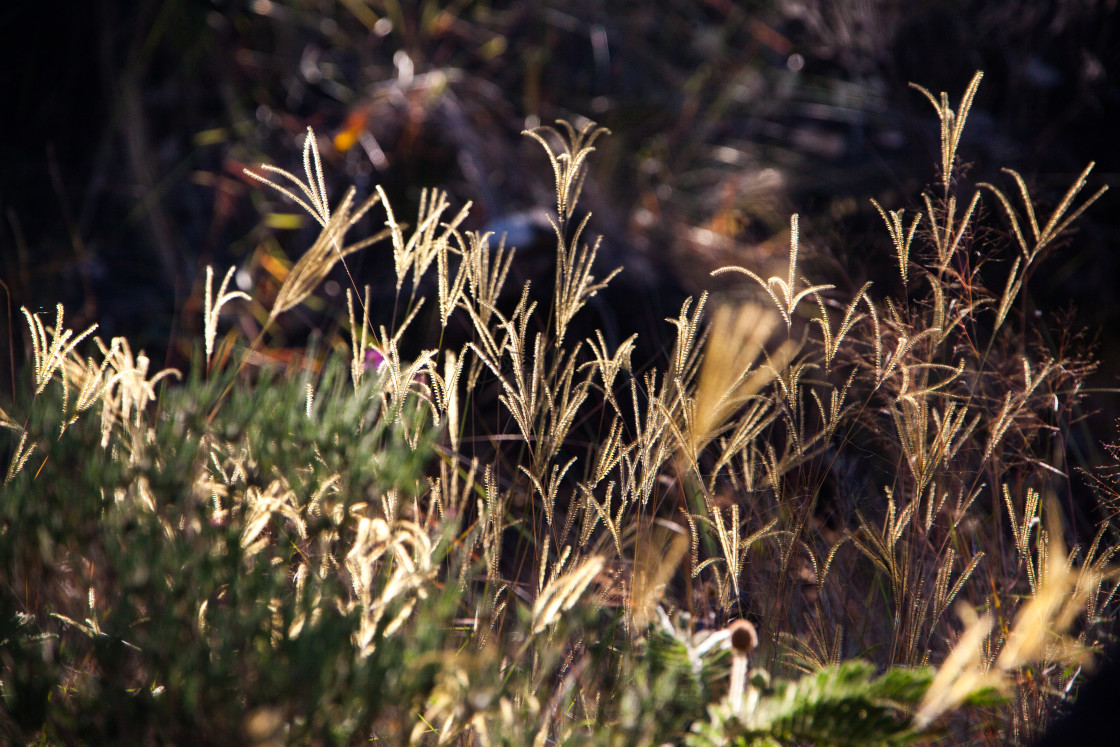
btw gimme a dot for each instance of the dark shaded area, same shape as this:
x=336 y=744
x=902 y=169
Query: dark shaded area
x=1091 y=719
x=133 y=121
x=100 y=211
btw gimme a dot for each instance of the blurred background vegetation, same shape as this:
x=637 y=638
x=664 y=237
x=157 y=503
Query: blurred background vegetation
x=130 y=123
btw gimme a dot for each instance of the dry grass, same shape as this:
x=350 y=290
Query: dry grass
x=841 y=486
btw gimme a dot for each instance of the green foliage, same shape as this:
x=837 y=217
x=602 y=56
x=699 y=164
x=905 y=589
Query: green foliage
x=148 y=591
x=842 y=705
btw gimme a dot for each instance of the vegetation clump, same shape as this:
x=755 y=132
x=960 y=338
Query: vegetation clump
x=827 y=517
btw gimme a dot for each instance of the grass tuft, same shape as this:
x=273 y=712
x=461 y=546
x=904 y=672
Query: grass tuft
x=526 y=538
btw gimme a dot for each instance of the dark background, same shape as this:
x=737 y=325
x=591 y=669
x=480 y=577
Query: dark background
x=129 y=123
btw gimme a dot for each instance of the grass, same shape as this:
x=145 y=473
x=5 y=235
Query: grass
x=527 y=538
